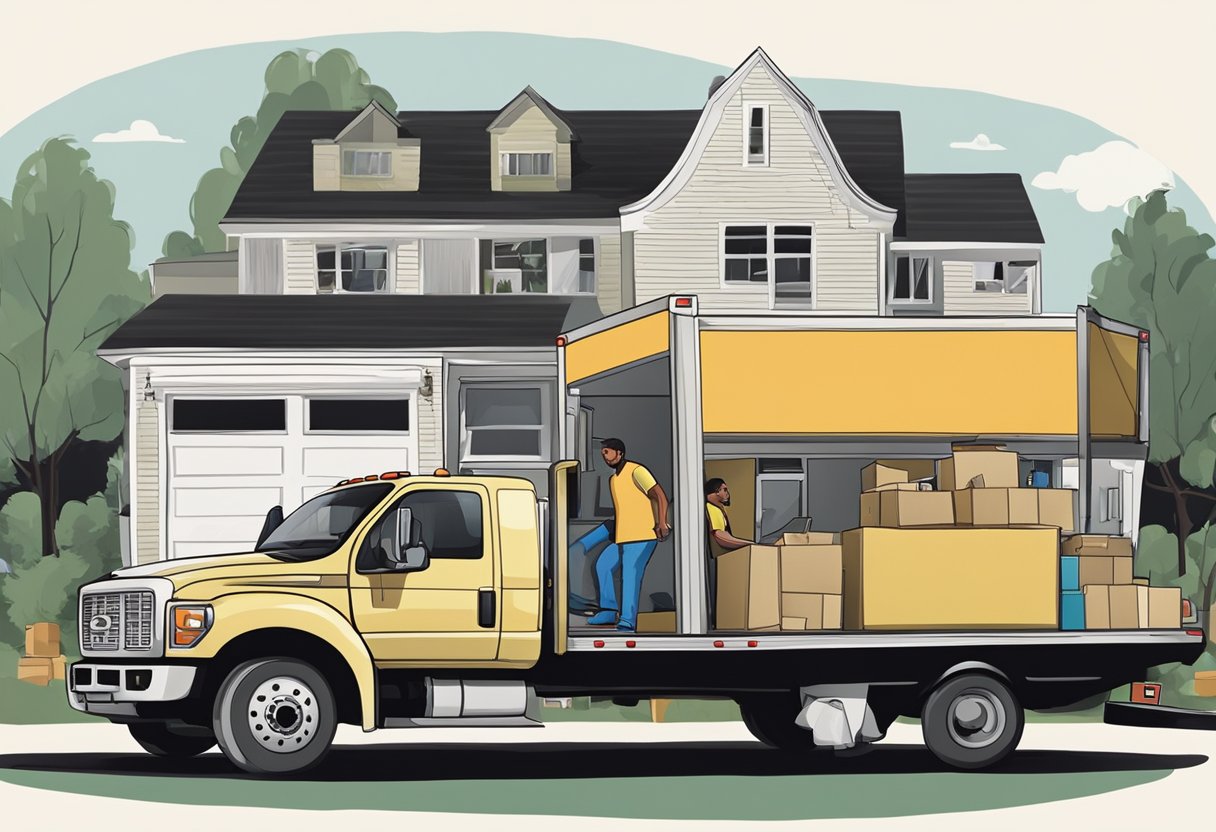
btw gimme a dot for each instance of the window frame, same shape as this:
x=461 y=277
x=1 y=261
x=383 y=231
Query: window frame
x=544 y=428
x=769 y=286
x=494 y=242
x=748 y=108
x=354 y=151
x=931 y=266
x=504 y=164
x=1005 y=285
x=370 y=396
x=388 y=516
x=172 y=400
x=390 y=271
x=595 y=262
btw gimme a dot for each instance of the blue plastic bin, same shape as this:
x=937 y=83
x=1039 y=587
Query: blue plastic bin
x=1072 y=611
x=1070 y=573
x=1040 y=479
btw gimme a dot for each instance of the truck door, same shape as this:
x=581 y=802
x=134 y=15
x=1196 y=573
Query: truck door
x=449 y=612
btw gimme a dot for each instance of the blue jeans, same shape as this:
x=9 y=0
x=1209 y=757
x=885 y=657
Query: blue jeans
x=629 y=560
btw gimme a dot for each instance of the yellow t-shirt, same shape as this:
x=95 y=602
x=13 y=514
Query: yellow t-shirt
x=717 y=523
x=631 y=505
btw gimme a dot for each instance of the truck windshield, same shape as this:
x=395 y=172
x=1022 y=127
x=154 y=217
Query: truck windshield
x=322 y=524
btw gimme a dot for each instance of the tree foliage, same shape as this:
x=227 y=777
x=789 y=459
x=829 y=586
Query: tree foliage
x=65 y=284
x=334 y=81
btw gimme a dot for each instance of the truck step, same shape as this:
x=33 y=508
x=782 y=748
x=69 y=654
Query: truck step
x=462 y=722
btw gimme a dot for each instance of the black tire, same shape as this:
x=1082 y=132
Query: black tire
x=770 y=718
x=159 y=739
x=275 y=716
x=972 y=721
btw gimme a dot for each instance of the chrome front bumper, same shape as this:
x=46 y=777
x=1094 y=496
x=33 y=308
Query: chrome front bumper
x=115 y=690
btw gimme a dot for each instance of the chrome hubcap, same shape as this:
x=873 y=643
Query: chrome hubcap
x=282 y=714
x=976 y=718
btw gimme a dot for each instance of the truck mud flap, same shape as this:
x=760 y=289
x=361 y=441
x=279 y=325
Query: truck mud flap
x=1158 y=716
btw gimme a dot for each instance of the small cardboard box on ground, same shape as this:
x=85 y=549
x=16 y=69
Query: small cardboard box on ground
x=42 y=640
x=951 y=579
x=900 y=509
x=36 y=670
x=999 y=468
x=1205 y=682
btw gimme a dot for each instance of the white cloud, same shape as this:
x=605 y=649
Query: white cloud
x=980 y=142
x=1108 y=176
x=139 y=131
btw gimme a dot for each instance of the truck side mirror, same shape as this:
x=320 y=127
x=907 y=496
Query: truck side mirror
x=405 y=553
x=274 y=519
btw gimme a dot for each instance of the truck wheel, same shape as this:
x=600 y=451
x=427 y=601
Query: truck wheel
x=972 y=721
x=275 y=716
x=159 y=739
x=771 y=720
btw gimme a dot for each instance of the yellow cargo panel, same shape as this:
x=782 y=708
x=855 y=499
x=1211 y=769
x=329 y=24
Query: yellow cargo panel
x=897 y=382
x=1114 y=389
x=617 y=347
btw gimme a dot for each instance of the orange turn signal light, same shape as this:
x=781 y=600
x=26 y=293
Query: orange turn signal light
x=190 y=624
x=394 y=475
x=442 y=472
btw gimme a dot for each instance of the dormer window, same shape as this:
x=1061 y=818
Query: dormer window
x=755 y=134
x=367 y=163
x=527 y=164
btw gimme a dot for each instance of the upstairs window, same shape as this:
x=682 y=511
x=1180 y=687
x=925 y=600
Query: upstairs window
x=351 y=268
x=755 y=134
x=520 y=266
x=527 y=164
x=745 y=252
x=367 y=163
x=913 y=280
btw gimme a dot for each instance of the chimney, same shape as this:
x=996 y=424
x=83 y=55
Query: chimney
x=718 y=81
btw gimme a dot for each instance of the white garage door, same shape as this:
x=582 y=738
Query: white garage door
x=233 y=458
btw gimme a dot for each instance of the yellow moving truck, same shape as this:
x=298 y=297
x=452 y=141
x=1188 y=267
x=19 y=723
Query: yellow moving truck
x=395 y=600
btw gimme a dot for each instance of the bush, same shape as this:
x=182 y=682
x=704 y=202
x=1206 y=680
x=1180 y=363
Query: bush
x=21 y=530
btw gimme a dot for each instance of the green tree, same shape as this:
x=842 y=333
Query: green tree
x=334 y=81
x=1161 y=278
x=65 y=284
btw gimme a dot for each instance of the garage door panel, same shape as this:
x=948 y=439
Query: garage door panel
x=212 y=460
x=340 y=463
x=219 y=503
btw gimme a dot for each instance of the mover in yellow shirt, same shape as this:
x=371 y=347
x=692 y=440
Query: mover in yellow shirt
x=639 y=507
x=718 y=535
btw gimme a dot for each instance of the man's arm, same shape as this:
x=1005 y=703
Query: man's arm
x=658 y=502
x=728 y=541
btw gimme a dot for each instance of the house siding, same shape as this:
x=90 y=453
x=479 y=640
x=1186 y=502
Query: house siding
x=960 y=298
x=430 y=419
x=678 y=249
x=409 y=274
x=608 y=274
x=299 y=268
x=147 y=482
x=326 y=167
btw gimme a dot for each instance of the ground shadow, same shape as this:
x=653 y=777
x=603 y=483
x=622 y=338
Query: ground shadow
x=736 y=780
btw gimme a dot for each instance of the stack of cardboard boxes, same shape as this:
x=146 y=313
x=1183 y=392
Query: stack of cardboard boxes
x=796 y=585
x=43 y=660
x=1099 y=592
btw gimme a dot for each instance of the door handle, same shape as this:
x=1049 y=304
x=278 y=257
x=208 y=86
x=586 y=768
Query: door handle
x=487 y=613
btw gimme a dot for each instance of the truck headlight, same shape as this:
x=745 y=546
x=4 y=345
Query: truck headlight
x=190 y=623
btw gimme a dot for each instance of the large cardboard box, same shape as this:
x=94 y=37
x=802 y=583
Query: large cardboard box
x=876 y=474
x=810 y=611
x=42 y=640
x=1057 y=507
x=749 y=589
x=1160 y=607
x=657 y=622
x=808 y=538
x=1111 y=546
x=36 y=670
x=951 y=579
x=812 y=569
x=1111 y=607
x=998 y=468
x=1103 y=570
x=996 y=507
x=899 y=509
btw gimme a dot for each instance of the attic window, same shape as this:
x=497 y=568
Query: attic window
x=755 y=134
x=367 y=163
x=527 y=164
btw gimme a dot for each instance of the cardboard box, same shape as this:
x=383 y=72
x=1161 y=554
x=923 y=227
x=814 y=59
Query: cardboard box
x=808 y=538
x=1102 y=570
x=657 y=622
x=810 y=611
x=1205 y=682
x=36 y=670
x=1111 y=546
x=899 y=486
x=917 y=469
x=1160 y=607
x=1072 y=611
x=749 y=589
x=42 y=640
x=812 y=569
x=1070 y=573
x=951 y=579
x=900 y=509
x=59 y=666
x=1057 y=507
x=1111 y=607
x=876 y=474
x=996 y=507
x=998 y=468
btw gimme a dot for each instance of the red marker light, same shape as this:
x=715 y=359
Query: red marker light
x=561 y=340
x=598 y=642
x=719 y=644
x=631 y=643
x=1198 y=633
x=1144 y=335
x=355 y=479
x=683 y=303
x=753 y=644
x=371 y=477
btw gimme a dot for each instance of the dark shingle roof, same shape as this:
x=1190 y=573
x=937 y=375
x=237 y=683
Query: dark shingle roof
x=370 y=322
x=621 y=156
x=970 y=207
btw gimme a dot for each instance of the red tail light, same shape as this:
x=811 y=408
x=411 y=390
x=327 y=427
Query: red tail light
x=1144 y=335
x=561 y=340
x=683 y=303
x=1196 y=633
x=719 y=644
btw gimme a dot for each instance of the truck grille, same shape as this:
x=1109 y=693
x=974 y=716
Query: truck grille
x=110 y=621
